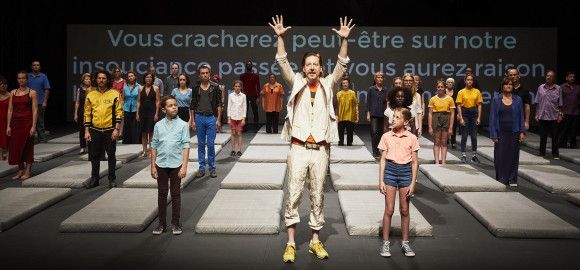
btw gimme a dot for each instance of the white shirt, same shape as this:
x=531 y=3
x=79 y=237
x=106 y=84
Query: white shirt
x=416 y=108
x=237 y=106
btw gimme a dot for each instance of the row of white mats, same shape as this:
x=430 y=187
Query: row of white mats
x=254 y=206
x=255 y=211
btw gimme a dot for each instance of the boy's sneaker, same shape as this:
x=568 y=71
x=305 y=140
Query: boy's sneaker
x=474 y=159
x=556 y=157
x=177 y=229
x=200 y=173
x=239 y=153
x=407 y=249
x=385 y=249
x=513 y=184
x=289 y=253
x=212 y=174
x=464 y=159
x=317 y=248
x=159 y=230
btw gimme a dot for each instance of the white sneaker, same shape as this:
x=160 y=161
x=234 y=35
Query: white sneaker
x=385 y=249
x=407 y=249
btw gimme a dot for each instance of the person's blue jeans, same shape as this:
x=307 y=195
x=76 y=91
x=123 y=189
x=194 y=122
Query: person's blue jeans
x=469 y=116
x=206 y=131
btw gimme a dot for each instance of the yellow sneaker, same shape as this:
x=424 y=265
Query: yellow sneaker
x=289 y=253
x=317 y=248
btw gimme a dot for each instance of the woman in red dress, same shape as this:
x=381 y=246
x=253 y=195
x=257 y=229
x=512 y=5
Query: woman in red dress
x=4 y=98
x=21 y=127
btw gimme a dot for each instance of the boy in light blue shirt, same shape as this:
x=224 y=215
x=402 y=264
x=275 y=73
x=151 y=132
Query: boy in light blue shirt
x=169 y=157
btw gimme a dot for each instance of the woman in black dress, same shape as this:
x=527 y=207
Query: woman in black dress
x=147 y=110
x=80 y=109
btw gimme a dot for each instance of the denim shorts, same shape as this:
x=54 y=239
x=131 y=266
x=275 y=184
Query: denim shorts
x=398 y=175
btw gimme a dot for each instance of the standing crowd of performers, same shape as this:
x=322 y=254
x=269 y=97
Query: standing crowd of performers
x=159 y=114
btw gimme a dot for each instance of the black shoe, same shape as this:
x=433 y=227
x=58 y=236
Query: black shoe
x=268 y=131
x=112 y=184
x=475 y=160
x=463 y=159
x=93 y=183
x=233 y=153
x=340 y=144
x=212 y=174
x=239 y=153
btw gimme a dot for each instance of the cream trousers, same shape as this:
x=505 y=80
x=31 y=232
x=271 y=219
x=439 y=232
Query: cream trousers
x=306 y=166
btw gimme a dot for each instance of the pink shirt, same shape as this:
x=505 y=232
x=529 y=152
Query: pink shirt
x=399 y=146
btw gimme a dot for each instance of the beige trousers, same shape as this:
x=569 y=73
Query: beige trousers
x=306 y=166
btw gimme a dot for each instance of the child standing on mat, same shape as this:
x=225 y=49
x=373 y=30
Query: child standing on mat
x=237 y=116
x=398 y=170
x=169 y=157
x=441 y=116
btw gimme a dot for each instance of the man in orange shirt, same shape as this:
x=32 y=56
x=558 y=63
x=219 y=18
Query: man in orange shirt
x=272 y=100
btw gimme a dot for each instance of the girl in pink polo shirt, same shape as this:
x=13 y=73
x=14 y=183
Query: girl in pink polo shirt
x=398 y=167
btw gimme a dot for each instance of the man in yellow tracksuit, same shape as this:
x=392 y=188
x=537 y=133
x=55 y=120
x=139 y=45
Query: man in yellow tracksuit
x=102 y=118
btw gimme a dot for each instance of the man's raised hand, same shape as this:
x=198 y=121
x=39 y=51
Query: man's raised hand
x=345 y=27
x=278 y=25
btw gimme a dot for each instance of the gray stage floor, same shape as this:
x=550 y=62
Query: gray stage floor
x=459 y=241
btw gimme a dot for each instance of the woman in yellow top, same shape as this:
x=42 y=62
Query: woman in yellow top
x=441 y=118
x=468 y=102
x=347 y=112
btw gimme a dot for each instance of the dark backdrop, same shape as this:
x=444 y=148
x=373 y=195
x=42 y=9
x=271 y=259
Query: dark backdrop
x=37 y=29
